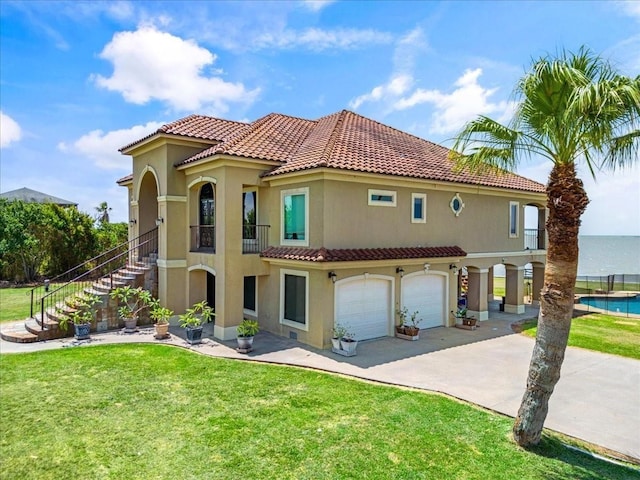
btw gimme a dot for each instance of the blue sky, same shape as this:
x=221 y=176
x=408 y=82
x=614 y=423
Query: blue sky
x=78 y=80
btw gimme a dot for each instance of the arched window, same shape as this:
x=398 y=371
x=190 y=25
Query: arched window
x=207 y=205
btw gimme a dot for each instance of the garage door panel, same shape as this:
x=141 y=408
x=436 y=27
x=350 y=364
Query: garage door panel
x=426 y=295
x=363 y=307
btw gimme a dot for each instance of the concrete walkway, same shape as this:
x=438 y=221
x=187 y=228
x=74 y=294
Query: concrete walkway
x=596 y=400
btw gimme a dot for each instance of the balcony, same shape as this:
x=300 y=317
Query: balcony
x=534 y=239
x=203 y=238
x=255 y=238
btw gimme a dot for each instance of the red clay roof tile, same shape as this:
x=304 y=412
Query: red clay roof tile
x=359 y=254
x=341 y=141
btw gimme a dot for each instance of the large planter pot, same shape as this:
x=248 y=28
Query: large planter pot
x=162 y=330
x=348 y=346
x=245 y=343
x=194 y=335
x=81 y=330
x=471 y=321
x=130 y=324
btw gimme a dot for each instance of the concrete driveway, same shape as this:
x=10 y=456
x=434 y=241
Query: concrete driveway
x=597 y=398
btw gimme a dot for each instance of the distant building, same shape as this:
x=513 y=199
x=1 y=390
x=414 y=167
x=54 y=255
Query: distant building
x=31 y=196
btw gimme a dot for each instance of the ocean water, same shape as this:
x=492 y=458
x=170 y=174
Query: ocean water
x=602 y=255
x=607 y=255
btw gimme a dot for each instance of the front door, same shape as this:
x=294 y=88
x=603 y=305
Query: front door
x=211 y=290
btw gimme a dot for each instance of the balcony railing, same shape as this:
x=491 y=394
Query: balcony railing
x=255 y=238
x=203 y=238
x=534 y=239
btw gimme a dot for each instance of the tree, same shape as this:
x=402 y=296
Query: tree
x=570 y=109
x=103 y=213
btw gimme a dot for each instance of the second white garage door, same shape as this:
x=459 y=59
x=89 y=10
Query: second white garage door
x=426 y=295
x=363 y=305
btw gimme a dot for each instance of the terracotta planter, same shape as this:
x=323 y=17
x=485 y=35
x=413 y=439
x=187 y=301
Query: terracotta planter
x=469 y=321
x=411 y=331
x=400 y=329
x=162 y=329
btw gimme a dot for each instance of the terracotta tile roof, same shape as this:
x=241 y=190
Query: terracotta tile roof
x=199 y=127
x=273 y=137
x=359 y=254
x=128 y=178
x=341 y=141
x=348 y=141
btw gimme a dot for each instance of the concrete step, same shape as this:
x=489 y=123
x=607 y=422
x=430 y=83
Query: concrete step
x=16 y=332
x=50 y=332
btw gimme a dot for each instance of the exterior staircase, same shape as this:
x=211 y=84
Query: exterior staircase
x=131 y=269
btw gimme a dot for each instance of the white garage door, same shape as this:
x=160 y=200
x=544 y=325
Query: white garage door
x=425 y=294
x=363 y=306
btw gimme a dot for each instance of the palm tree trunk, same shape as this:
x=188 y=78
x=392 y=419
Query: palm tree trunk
x=567 y=201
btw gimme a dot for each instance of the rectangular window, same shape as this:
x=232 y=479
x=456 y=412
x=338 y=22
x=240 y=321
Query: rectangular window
x=249 y=304
x=384 y=198
x=514 y=209
x=418 y=208
x=295 y=217
x=294 y=298
x=249 y=204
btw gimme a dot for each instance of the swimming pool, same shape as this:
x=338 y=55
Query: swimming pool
x=630 y=304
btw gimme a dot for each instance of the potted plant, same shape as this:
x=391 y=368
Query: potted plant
x=80 y=315
x=402 y=318
x=161 y=316
x=338 y=334
x=246 y=331
x=461 y=315
x=133 y=301
x=193 y=319
x=412 y=328
x=348 y=344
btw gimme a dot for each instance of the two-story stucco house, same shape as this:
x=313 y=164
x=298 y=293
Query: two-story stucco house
x=303 y=224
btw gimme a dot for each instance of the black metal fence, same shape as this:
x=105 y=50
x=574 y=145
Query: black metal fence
x=618 y=294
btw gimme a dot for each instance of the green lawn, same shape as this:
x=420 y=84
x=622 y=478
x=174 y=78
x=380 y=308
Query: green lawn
x=156 y=412
x=15 y=303
x=602 y=333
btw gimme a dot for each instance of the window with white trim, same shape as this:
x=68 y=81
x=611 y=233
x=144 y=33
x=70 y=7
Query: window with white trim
x=381 y=198
x=294 y=206
x=418 y=208
x=514 y=219
x=294 y=298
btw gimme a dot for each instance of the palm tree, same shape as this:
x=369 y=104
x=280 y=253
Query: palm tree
x=570 y=109
x=103 y=213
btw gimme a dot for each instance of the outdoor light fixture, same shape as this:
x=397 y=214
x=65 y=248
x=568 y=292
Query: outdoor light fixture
x=426 y=267
x=332 y=275
x=159 y=221
x=454 y=268
x=133 y=221
x=400 y=271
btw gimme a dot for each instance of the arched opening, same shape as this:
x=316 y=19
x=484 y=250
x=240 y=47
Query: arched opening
x=147 y=203
x=534 y=227
x=206 y=233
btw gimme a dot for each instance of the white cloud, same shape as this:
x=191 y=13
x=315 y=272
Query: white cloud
x=10 y=131
x=316 y=5
x=153 y=65
x=453 y=110
x=401 y=79
x=317 y=39
x=103 y=147
x=395 y=87
x=630 y=8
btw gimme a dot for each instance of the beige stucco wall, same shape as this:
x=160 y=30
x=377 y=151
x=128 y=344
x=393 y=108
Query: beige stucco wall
x=339 y=217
